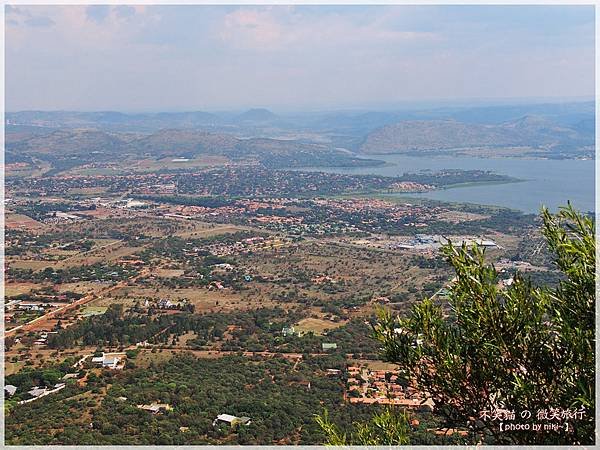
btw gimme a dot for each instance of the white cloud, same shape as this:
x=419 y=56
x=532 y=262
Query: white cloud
x=203 y=57
x=282 y=28
x=76 y=26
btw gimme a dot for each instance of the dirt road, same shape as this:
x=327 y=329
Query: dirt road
x=42 y=321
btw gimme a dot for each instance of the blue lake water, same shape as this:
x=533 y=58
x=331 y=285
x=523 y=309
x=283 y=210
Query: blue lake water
x=547 y=182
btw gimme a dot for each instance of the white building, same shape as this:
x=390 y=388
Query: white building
x=108 y=361
x=10 y=389
x=232 y=420
x=156 y=408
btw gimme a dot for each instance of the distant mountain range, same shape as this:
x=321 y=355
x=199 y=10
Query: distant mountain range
x=139 y=122
x=578 y=115
x=556 y=130
x=415 y=135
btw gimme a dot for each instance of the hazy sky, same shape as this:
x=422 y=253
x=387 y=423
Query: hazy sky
x=140 y=58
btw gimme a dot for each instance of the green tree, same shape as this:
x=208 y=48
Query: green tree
x=390 y=427
x=516 y=348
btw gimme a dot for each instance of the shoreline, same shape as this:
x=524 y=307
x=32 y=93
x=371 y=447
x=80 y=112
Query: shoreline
x=474 y=183
x=450 y=154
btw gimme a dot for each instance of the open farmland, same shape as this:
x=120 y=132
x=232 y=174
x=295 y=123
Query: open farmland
x=21 y=221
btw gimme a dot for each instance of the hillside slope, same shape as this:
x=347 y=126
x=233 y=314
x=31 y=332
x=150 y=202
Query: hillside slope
x=415 y=135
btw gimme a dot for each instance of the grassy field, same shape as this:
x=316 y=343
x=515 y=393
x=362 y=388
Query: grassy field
x=317 y=326
x=111 y=252
x=201 y=229
x=183 y=339
x=12 y=367
x=167 y=273
x=203 y=299
x=93 y=310
x=32 y=264
x=12 y=220
x=146 y=357
x=12 y=288
x=98 y=190
x=153 y=165
x=81 y=287
x=57 y=258
x=39 y=356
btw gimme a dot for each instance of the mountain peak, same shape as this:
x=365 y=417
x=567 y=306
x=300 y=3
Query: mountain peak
x=257 y=115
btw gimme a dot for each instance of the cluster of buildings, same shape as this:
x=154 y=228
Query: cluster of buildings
x=164 y=303
x=419 y=242
x=146 y=183
x=250 y=181
x=36 y=392
x=327 y=216
x=252 y=211
x=523 y=266
x=55 y=217
x=117 y=203
x=320 y=216
x=241 y=246
x=43 y=338
x=17 y=311
x=298 y=228
x=410 y=186
x=383 y=387
x=427 y=242
x=393 y=210
x=255 y=243
x=94 y=207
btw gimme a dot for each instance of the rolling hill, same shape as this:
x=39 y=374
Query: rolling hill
x=426 y=135
x=81 y=146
